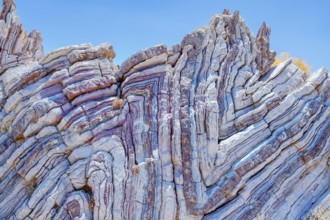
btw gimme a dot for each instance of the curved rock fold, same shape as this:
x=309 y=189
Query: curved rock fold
x=206 y=129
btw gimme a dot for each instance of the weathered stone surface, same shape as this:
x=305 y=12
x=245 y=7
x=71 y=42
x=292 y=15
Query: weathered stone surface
x=16 y=45
x=204 y=130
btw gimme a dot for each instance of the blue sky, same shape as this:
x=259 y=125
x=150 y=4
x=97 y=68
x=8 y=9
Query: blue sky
x=301 y=28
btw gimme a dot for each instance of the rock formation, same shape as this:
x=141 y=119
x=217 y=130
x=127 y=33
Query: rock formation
x=206 y=129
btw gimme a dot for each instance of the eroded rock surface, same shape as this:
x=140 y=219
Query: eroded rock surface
x=203 y=130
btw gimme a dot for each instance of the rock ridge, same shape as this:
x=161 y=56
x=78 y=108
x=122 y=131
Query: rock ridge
x=206 y=129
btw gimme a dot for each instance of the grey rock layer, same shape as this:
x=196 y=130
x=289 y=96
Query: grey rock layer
x=204 y=130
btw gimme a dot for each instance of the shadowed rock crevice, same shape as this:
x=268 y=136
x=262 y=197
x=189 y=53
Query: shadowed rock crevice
x=205 y=129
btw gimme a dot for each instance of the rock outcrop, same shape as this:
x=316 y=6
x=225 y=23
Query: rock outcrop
x=206 y=129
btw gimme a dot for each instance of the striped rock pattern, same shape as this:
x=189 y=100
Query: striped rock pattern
x=206 y=129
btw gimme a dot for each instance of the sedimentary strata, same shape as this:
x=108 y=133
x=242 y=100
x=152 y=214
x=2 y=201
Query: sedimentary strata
x=206 y=129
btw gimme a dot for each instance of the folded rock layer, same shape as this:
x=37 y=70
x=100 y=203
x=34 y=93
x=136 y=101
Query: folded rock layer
x=206 y=129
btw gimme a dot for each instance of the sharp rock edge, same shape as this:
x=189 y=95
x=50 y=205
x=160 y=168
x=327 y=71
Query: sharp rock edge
x=203 y=130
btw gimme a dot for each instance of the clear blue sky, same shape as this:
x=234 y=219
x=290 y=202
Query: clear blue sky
x=300 y=27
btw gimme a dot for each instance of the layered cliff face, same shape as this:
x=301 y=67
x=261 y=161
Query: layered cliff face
x=203 y=130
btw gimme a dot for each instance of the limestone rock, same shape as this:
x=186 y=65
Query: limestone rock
x=204 y=130
x=16 y=45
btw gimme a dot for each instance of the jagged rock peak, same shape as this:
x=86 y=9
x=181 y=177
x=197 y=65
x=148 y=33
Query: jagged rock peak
x=266 y=57
x=7 y=6
x=16 y=46
x=226 y=12
x=205 y=129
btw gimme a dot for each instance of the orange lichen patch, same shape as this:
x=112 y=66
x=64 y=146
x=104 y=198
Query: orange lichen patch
x=117 y=103
x=110 y=54
x=106 y=50
x=135 y=169
x=91 y=204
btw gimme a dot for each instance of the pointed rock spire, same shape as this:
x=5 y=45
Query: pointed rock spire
x=266 y=56
x=16 y=45
x=7 y=6
x=226 y=11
